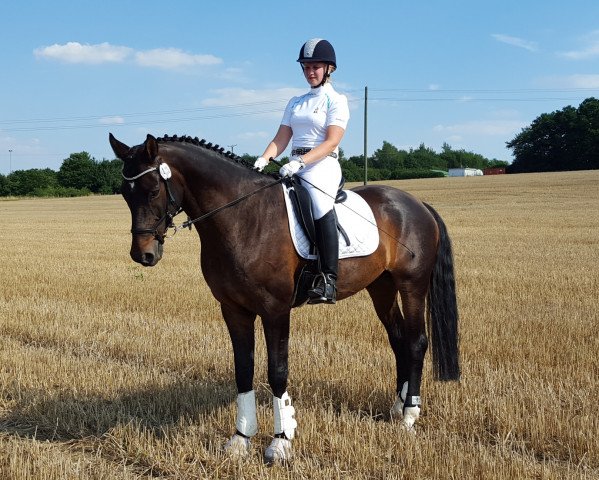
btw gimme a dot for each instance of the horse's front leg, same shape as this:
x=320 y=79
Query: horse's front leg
x=240 y=324
x=276 y=331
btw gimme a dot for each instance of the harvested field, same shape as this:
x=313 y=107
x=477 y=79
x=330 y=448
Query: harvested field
x=109 y=370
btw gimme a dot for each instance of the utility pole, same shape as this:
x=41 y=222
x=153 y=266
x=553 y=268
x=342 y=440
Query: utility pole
x=10 y=159
x=365 y=135
x=232 y=147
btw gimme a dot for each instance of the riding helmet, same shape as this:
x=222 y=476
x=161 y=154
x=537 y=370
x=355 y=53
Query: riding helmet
x=318 y=50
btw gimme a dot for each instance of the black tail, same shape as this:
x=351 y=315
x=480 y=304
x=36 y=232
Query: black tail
x=442 y=315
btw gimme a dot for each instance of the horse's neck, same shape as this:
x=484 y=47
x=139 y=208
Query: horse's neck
x=213 y=181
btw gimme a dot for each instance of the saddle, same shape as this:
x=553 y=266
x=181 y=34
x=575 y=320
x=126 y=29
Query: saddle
x=302 y=206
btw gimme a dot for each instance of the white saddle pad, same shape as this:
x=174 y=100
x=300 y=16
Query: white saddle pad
x=356 y=218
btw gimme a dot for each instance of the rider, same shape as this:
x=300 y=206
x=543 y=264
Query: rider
x=316 y=121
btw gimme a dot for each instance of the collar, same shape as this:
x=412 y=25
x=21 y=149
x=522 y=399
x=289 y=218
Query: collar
x=320 y=90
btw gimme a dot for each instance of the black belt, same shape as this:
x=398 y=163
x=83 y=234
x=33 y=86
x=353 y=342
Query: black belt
x=296 y=152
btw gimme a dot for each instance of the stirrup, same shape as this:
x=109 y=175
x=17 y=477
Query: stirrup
x=323 y=290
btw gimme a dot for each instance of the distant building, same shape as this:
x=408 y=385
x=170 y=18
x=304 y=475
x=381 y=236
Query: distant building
x=465 y=172
x=494 y=171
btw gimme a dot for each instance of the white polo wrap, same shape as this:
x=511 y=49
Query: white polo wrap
x=247 y=422
x=284 y=412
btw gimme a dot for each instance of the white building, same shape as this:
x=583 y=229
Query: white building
x=465 y=172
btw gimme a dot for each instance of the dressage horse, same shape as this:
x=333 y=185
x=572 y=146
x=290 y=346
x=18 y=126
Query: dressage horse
x=250 y=264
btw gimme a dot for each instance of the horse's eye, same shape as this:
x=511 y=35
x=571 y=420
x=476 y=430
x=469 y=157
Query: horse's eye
x=154 y=193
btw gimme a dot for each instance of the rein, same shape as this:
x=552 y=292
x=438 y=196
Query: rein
x=165 y=174
x=189 y=222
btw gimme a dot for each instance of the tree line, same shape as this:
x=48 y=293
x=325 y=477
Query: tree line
x=391 y=163
x=80 y=174
x=566 y=139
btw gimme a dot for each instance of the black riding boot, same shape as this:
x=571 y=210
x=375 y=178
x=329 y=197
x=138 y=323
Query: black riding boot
x=324 y=289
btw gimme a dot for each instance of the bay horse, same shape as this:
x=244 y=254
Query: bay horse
x=250 y=264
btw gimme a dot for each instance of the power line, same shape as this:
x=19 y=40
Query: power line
x=70 y=123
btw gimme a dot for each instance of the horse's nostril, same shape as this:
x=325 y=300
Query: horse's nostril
x=147 y=259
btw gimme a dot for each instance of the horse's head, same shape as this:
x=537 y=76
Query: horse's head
x=148 y=190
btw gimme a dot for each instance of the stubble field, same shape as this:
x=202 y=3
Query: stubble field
x=109 y=370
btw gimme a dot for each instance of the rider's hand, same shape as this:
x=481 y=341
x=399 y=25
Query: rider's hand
x=291 y=168
x=260 y=163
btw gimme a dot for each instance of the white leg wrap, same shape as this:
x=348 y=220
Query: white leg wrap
x=397 y=408
x=247 y=422
x=404 y=391
x=279 y=450
x=284 y=412
x=238 y=446
x=408 y=415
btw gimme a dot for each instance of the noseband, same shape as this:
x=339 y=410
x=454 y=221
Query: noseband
x=165 y=174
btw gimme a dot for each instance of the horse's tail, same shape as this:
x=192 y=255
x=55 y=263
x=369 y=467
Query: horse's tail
x=442 y=314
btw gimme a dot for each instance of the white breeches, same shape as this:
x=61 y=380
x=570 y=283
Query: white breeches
x=326 y=175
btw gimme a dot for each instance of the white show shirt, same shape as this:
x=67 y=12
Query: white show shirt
x=310 y=115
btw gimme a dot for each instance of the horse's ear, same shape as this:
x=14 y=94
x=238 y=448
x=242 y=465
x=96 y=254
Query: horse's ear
x=151 y=146
x=119 y=148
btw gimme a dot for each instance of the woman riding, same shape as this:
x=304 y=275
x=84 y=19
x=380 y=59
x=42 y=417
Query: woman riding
x=316 y=122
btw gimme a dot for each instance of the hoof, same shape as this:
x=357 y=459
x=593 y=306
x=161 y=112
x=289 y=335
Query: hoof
x=397 y=409
x=406 y=427
x=279 y=451
x=410 y=415
x=237 y=446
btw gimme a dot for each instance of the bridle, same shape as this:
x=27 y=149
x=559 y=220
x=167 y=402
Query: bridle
x=165 y=174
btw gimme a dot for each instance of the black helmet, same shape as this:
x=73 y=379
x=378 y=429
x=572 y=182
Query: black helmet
x=318 y=50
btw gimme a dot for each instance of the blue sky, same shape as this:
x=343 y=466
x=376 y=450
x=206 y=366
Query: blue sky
x=469 y=73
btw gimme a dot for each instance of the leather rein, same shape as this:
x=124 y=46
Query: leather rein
x=168 y=218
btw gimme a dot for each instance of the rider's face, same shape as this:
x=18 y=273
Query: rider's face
x=314 y=72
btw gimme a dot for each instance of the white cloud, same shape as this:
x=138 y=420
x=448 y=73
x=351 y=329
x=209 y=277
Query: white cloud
x=173 y=58
x=167 y=58
x=116 y=120
x=516 y=42
x=75 y=52
x=262 y=135
x=589 y=50
x=571 y=81
x=266 y=101
x=485 y=127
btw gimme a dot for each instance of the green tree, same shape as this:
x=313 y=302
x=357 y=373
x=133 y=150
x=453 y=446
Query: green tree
x=566 y=139
x=387 y=157
x=27 y=182
x=108 y=178
x=78 y=171
x=3 y=186
x=351 y=171
x=422 y=158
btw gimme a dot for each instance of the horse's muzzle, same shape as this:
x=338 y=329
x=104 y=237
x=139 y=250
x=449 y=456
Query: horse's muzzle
x=148 y=253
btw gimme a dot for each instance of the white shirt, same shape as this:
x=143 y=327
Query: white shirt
x=311 y=114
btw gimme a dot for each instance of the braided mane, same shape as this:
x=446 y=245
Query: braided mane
x=208 y=146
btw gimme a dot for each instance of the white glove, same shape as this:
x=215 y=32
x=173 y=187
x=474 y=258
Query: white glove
x=260 y=163
x=291 y=168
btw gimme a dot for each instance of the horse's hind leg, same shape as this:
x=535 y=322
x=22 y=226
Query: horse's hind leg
x=407 y=337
